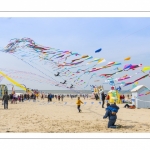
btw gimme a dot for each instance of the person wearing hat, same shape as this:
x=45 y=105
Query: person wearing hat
x=79 y=104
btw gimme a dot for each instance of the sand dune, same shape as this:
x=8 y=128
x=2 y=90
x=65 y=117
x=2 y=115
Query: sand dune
x=58 y=117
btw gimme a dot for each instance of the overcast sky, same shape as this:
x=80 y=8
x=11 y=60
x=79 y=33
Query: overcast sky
x=118 y=38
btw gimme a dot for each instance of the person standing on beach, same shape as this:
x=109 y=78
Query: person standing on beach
x=34 y=97
x=5 y=99
x=103 y=99
x=79 y=104
x=22 y=97
x=42 y=96
x=59 y=97
x=25 y=96
x=62 y=97
x=50 y=97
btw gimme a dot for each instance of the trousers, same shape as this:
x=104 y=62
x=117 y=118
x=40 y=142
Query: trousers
x=78 y=107
x=5 y=104
x=111 y=124
x=103 y=102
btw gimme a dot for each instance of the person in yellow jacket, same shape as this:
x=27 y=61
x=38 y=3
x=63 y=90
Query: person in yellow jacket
x=79 y=104
x=113 y=96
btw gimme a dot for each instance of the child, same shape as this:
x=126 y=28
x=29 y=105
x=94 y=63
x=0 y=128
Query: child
x=78 y=104
x=111 y=111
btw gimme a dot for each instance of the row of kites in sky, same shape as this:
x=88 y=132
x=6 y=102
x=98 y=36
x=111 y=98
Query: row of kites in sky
x=68 y=69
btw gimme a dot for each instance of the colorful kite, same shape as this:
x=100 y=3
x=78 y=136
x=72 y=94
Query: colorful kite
x=128 y=58
x=146 y=68
x=97 y=51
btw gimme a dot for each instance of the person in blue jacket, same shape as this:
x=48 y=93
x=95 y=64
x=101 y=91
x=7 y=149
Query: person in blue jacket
x=50 y=97
x=111 y=111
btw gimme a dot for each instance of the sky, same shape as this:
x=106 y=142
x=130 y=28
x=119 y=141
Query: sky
x=118 y=38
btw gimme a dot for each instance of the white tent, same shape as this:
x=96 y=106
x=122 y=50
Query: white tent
x=140 y=101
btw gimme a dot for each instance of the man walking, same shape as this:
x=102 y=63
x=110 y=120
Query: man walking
x=103 y=99
x=48 y=96
x=5 y=99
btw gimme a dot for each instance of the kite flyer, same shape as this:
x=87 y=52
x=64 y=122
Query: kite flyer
x=79 y=104
x=111 y=112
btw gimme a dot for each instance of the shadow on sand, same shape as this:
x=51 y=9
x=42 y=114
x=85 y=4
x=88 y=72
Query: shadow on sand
x=128 y=127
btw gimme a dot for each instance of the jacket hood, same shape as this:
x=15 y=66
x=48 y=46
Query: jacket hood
x=114 y=109
x=114 y=106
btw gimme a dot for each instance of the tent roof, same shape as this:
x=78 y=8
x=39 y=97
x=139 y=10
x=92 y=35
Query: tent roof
x=138 y=88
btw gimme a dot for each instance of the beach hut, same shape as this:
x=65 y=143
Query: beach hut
x=140 y=96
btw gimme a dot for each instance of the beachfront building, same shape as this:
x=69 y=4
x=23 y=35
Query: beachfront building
x=141 y=96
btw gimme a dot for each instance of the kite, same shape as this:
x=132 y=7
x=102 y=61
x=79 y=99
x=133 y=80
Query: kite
x=124 y=78
x=118 y=89
x=135 y=84
x=133 y=67
x=101 y=60
x=127 y=66
x=128 y=58
x=90 y=57
x=136 y=80
x=63 y=82
x=96 y=59
x=146 y=68
x=57 y=74
x=71 y=86
x=97 y=51
x=27 y=49
x=13 y=81
x=106 y=75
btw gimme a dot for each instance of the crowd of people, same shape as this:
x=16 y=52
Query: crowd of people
x=20 y=98
x=111 y=109
x=14 y=98
x=61 y=97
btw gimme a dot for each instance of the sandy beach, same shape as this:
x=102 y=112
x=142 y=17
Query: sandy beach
x=62 y=117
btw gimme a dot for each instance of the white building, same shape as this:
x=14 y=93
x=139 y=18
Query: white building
x=140 y=101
